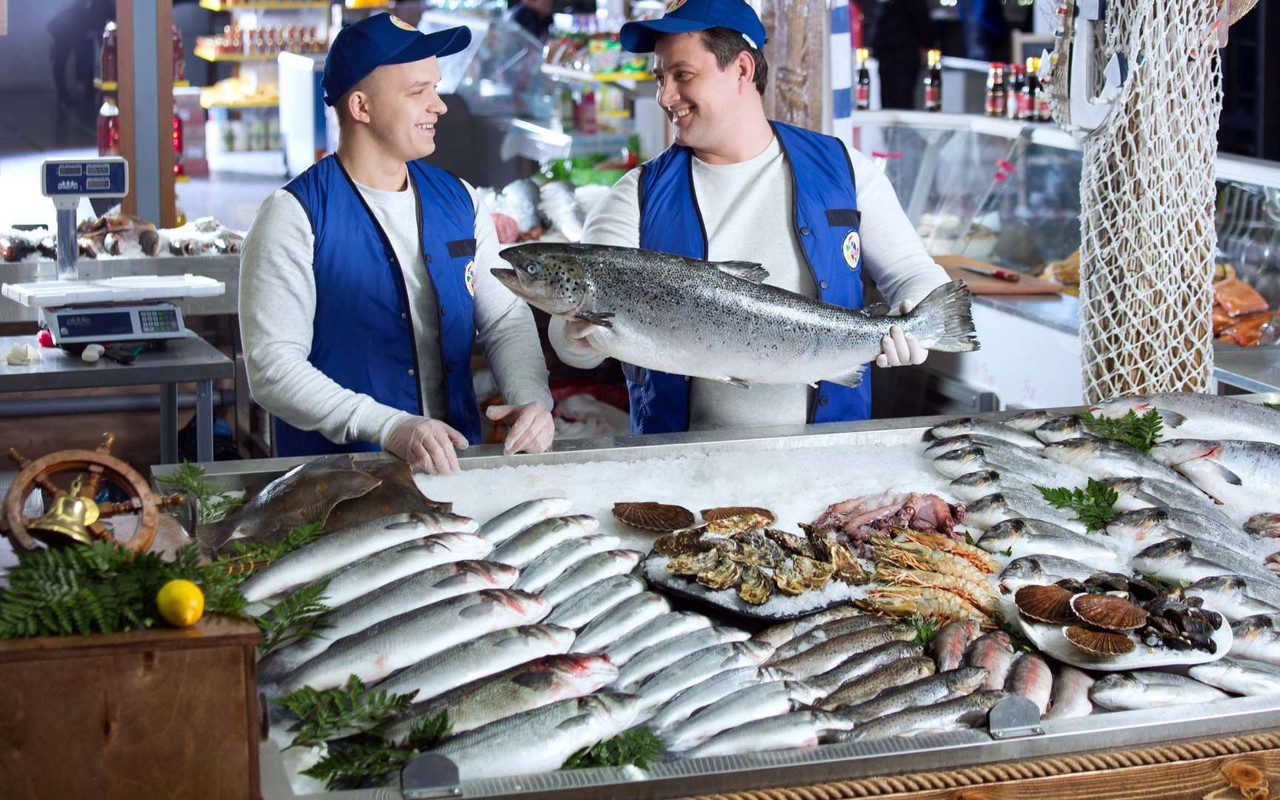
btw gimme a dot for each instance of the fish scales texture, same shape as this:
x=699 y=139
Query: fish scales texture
x=654 y=632
x=690 y=317
x=538 y=538
x=528 y=686
x=588 y=572
x=980 y=427
x=671 y=651
x=882 y=681
x=745 y=705
x=962 y=712
x=1070 y=694
x=540 y=740
x=833 y=652
x=1243 y=475
x=663 y=685
x=797 y=729
x=783 y=632
x=827 y=631
x=1255 y=422
x=1239 y=676
x=949 y=644
x=340 y=548
x=622 y=619
x=703 y=694
x=415 y=591
x=515 y=519
x=925 y=691
x=595 y=601
x=1031 y=677
x=993 y=652
x=392 y=644
x=1107 y=458
x=477 y=658
x=1042 y=569
x=1132 y=691
x=386 y=566
x=863 y=664
x=560 y=559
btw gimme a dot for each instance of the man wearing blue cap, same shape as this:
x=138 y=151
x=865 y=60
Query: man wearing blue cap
x=737 y=187
x=365 y=281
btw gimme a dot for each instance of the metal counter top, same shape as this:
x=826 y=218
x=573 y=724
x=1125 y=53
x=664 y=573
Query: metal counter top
x=1253 y=369
x=1060 y=312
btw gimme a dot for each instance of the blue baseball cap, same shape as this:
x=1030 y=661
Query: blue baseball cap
x=378 y=40
x=684 y=16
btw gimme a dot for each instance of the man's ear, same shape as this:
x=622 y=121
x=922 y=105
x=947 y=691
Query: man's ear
x=357 y=105
x=746 y=67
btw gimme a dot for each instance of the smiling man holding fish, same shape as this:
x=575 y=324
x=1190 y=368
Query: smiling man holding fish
x=737 y=187
x=366 y=280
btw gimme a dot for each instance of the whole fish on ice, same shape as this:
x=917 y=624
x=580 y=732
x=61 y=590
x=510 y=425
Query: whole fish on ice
x=716 y=320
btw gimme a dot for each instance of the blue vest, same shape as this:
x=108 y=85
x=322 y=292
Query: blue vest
x=362 y=337
x=825 y=220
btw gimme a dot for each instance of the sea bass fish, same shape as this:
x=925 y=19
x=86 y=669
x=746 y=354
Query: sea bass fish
x=1251 y=421
x=717 y=320
x=1244 y=475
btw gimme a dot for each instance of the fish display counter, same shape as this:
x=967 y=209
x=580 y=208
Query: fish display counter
x=882 y=608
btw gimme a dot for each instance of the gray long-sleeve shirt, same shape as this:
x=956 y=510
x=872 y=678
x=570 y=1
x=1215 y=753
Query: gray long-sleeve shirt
x=277 y=316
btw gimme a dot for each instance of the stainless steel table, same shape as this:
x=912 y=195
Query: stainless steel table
x=181 y=361
x=1253 y=369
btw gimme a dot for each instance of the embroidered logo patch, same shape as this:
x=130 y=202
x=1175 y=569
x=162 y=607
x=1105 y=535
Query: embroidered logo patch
x=401 y=24
x=852 y=249
x=469 y=278
x=674 y=4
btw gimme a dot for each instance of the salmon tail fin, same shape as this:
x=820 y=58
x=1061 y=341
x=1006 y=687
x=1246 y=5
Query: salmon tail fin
x=945 y=318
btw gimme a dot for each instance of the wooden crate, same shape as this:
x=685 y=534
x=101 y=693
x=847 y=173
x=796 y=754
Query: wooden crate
x=146 y=714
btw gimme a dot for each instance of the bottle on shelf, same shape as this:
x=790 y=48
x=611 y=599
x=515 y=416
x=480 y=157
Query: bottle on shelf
x=178 y=169
x=179 y=67
x=107 y=69
x=995 y=90
x=108 y=128
x=862 y=89
x=1014 y=87
x=1028 y=107
x=933 y=81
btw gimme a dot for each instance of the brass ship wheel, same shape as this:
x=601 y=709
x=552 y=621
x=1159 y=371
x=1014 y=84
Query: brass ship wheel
x=73 y=515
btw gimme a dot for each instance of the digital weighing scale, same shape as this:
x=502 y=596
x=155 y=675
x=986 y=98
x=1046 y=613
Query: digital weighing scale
x=79 y=311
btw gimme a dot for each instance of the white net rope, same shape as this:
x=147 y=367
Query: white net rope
x=1147 y=203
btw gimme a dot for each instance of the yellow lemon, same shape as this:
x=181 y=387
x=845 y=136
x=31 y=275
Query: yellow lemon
x=181 y=603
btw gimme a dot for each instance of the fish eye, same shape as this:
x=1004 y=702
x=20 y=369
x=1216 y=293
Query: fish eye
x=534 y=269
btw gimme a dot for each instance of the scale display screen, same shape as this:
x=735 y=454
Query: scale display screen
x=89 y=177
x=99 y=323
x=105 y=324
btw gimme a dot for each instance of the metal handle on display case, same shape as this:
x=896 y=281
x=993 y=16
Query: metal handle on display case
x=1014 y=717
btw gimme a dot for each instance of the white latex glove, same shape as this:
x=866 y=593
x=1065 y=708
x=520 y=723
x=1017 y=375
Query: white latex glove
x=529 y=427
x=898 y=349
x=426 y=444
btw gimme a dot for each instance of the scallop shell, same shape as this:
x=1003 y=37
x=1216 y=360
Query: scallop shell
x=755 y=587
x=1108 y=612
x=1099 y=643
x=736 y=512
x=724 y=575
x=653 y=516
x=1051 y=604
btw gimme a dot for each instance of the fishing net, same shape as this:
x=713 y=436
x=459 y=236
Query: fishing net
x=1147 y=201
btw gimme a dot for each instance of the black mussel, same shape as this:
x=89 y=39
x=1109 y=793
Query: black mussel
x=1072 y=585
x=1141 y=591
x=1213 y=618
x=1163 y=626
x=1194 y=602
x=1107 y=582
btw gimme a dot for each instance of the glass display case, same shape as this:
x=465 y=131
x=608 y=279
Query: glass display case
x=1008 y=192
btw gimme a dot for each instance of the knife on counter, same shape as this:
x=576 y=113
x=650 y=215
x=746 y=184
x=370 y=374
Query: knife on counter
x=999 y=274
